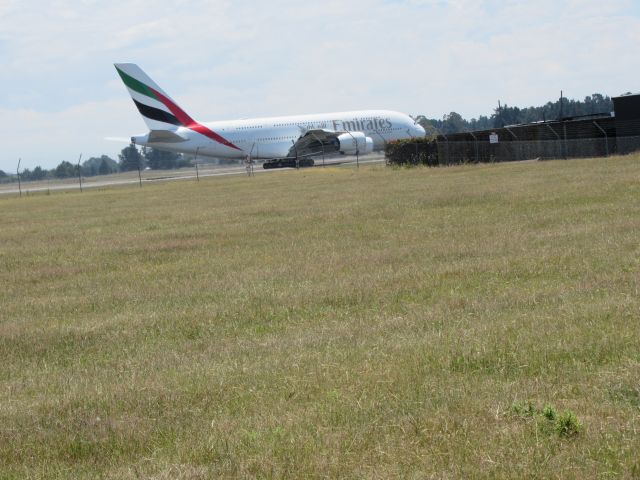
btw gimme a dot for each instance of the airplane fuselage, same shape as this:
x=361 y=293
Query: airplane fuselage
x=273 y=137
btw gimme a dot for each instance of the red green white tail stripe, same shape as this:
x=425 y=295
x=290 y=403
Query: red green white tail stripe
x=159 y=111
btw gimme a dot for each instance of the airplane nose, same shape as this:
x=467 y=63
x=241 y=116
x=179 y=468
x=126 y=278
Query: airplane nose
x=420 y=132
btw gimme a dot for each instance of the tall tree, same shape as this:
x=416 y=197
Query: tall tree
x=93 y=165
x=66 y=170
x=38 y=173
x=161 y=160
x=130 y=159
x=107 y=166
x=506 y=115
x=454 y=122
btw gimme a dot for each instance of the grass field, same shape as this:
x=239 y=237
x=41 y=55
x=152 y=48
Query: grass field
x=326 y=323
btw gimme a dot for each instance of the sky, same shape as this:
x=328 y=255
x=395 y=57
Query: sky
x=61 y=96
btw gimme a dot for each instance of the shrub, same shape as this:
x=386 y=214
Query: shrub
x=549 y=412
x=412 y=151
x=548 y=420
x=567 y=424
x=525 y=410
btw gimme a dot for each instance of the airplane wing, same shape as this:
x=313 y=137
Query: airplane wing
x=315 y=142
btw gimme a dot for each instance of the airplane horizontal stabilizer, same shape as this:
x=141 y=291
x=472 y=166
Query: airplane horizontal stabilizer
x=164 y=136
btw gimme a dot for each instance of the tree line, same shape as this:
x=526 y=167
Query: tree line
x=130 y=158
x=506 y=115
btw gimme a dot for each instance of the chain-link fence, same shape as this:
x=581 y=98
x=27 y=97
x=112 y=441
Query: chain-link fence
x=477 y=152
x=446 y=152
x=626 y=145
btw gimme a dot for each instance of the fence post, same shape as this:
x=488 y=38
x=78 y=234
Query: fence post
x=18 y=174
x=80 y=173
x=357 y=151
x=195 y=160
x=296 y=152
x=606 y=137
x=139 y=172
x=384 y=143
x=475 y=144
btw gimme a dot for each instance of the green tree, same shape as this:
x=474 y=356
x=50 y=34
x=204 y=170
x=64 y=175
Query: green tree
x=66 y=170
x=130 y=159
x=506 y=115
x=107 y=166
x=90 y=166
x=482 y=123
x=93 y=166
x=161 y=160
x=38 y=173
x=454 y=122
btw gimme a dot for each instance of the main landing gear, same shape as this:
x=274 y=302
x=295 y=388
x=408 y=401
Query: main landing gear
x=287 y=163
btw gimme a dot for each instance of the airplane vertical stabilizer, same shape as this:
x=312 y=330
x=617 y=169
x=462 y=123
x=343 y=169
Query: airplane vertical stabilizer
x=157 y=108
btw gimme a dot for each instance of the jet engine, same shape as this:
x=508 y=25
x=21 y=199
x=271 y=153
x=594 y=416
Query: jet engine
x=353 y=142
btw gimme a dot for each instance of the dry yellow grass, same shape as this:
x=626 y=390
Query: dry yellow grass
x=377 y=323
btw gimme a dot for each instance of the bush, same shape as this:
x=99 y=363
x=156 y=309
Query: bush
x=412 y=151
x=526 y=410
x=568 y=424
x=548 y=420
x=549 y=412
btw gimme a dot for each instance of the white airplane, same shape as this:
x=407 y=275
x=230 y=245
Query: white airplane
x=281 y=141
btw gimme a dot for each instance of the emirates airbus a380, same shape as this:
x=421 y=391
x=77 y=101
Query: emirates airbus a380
x=280 y=141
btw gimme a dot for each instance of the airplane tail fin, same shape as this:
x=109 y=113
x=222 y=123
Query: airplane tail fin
x=157 y=108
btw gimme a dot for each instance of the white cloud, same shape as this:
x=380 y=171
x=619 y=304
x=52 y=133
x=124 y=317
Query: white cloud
x=46 y=139
x=223 y=59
